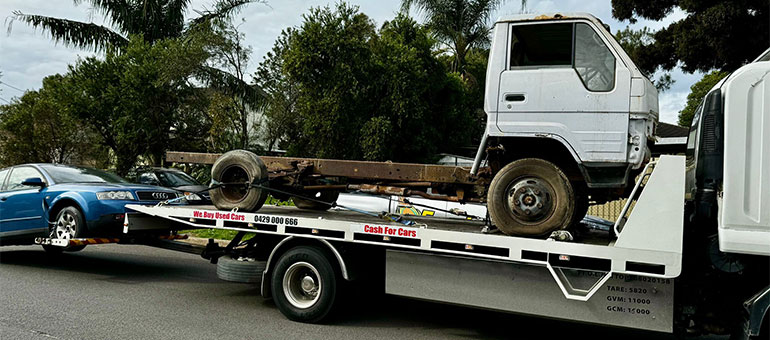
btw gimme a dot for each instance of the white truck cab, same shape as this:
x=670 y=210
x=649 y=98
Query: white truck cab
x=561 y=89
x=565 y=77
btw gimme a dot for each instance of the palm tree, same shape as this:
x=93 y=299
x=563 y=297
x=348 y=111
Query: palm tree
x=459 y=24
x=153 y=19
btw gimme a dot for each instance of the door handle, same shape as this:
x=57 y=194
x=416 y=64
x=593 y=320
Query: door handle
x=3 y=198
x=515 y=97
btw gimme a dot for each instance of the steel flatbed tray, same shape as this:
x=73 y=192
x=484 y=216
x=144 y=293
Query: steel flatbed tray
x=650 y=243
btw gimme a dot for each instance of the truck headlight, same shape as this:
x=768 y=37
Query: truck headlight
x=115 y=195
x=191 y=196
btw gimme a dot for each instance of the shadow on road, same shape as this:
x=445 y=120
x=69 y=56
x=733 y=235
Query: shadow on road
x=362 y=310
x=125 y=267
x=392 y=311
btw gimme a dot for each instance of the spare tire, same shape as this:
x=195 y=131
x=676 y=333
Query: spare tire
x=232 y=169
x=244 y=270
x=323 y=196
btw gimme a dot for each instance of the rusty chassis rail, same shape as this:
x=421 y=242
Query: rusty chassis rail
x=383 y=178
x=384 y=171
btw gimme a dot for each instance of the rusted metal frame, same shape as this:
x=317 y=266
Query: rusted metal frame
x=385 y=171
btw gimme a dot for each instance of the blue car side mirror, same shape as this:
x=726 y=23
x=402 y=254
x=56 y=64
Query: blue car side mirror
x=34 y=182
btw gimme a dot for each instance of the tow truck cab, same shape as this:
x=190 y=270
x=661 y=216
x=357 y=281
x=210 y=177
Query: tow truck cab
x=727 y=190
x=730 y=127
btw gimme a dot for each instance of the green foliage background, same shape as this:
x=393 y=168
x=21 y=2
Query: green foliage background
x=697 y=92
x=363 y=93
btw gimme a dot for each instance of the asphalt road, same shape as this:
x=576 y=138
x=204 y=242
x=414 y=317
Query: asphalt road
x=138 y=292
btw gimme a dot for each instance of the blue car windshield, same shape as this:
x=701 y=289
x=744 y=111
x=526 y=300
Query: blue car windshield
x=175 y=179
x=74 y=174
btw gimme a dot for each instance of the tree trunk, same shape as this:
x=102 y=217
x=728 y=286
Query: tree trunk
x=244 y=127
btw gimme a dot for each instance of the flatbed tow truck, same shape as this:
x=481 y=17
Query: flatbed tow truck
x=688 y=255
x=626 y=276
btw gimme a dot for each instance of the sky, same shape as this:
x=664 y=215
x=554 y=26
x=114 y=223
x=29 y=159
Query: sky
x=27 y=56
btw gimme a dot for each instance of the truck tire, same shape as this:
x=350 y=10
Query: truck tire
x=239 y=166
x=581 y=203
x=324 y=196
x=531 y=197
x=68 y=224
x=241 y=270
x=304 y=285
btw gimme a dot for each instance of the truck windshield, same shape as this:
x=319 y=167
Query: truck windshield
x=74 y=174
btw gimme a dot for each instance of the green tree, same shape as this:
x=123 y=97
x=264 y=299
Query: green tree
x=635 y=42
x=330 y=57
x=155 y=20
x=420 y=101
x=460 y=25
x=231 y=56
x=697 y=92
x=353 y=92
x=719 y=35
x=37 y=127
x=282 y=125
x=132 y=99
x=158 y=21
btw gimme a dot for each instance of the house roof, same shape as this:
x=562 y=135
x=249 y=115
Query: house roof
x=666 y=130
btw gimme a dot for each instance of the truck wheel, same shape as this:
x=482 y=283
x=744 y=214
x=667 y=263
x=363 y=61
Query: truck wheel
x=69 y=224
x=239 y=166
x=530 y=197
x=581 y=203
x=324 y=196
x=240 y=270
x=304 y=285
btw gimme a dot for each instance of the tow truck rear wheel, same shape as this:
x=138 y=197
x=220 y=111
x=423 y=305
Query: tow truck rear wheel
x=531 y=197
x=237 y=170
x=304 y=284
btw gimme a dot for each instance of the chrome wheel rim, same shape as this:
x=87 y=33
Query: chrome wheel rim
x=66 y=227
x=302 y=285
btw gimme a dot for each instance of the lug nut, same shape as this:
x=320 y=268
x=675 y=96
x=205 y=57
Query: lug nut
x=527 y=212
x=540 y=205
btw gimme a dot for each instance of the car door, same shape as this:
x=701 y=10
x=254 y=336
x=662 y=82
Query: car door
x=22 y=208
x=563 y=78
x=3 y=175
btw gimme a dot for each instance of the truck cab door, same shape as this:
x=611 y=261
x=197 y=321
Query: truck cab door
x=564 y=79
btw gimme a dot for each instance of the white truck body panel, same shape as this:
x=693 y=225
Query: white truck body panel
x=744 y=206
x=624 y=300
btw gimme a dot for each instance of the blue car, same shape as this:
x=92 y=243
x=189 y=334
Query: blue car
x=62 y=201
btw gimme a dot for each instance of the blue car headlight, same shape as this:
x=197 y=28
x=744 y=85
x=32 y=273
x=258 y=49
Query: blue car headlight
x=191 y=196
x=115 y=195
